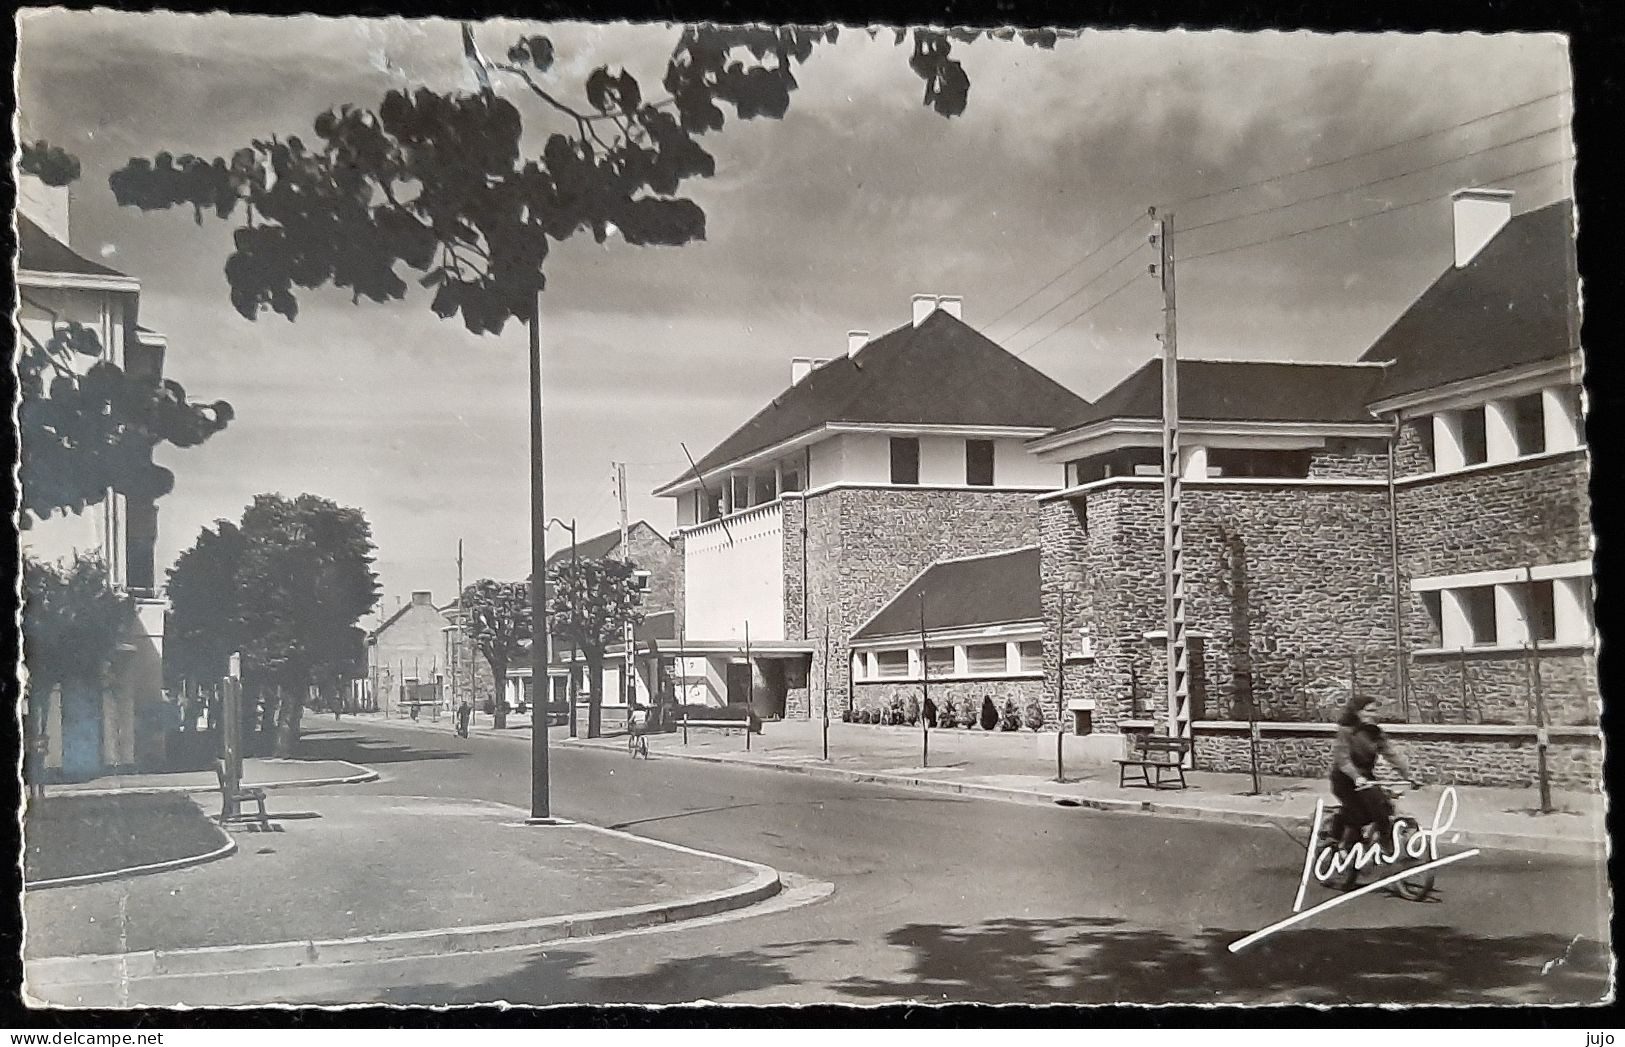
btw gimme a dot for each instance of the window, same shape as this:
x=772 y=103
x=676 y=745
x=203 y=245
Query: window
x=792 y=479
x=1475 y=447
x=979 y=463
x=939 y=661
x=710 y=504
x=891 y=665
x=1477 y=608
x=905 y=460
x=1528 y=423
x=1423 y=428
x=1537 y=604
x=640 y=581
x=765 y=490
x=1433 y=604
x=1234 y=461
x=741 y=491
x=985 y=659
x=1032 y=656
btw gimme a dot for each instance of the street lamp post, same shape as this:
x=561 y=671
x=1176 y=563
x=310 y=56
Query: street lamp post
x=541 y=808
x=574 y=648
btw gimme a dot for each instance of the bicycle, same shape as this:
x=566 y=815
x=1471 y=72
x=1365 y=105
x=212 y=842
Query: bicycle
x=1402 y=828
x=636 y=743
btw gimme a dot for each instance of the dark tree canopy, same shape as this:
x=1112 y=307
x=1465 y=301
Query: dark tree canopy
x=85 y=430
x=436 y=182
x=205 y=626
x=72 y=621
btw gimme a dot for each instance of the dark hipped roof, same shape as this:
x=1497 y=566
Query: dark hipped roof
x=942 y=372
x=1512 y=304
x=1243 y=391
x=985 y=590
x=41 y=252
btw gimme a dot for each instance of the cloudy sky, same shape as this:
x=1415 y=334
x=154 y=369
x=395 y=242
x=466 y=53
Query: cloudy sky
x=825 y=221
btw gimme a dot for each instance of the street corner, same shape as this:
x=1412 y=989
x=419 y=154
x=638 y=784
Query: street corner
x=457 y=876
x=72 y=840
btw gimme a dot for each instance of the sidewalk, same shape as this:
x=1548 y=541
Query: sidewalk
x=1020 y=766
x=260 y=772
x=487 y=880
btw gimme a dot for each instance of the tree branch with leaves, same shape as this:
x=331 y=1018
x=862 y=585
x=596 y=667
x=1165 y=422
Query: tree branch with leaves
x=499 y=623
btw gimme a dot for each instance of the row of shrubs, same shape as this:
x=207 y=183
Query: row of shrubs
x=906 y=712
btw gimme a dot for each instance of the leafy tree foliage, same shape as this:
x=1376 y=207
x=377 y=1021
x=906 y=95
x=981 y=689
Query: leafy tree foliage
x=205 y=626
x=88 y=429
x=436 y=183
x=72 y=620
x=590 y=603
x=87 y=425
x=499 y=623
x=72 y=623
x=51 y=164
x=286 y=587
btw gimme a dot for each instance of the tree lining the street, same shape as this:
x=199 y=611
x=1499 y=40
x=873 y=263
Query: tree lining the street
x=286 y=587
x=591 y=603
x=499 y=624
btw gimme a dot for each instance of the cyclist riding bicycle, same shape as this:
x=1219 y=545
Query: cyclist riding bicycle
x=1354 y=759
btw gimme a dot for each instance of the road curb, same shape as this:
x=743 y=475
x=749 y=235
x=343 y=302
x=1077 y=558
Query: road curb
x=227 y=847
x=1495 y=841
x=63 y=971
x=364 y=775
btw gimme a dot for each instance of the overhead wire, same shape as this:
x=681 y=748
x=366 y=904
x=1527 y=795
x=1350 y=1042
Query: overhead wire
x=1374 y=181
x=1064 y=272
x=1344 y=222
x=1372 y=151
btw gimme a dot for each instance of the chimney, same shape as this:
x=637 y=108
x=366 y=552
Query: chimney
x=800 y=367
x=856 y=340
x=924 y=306
x=422 y=598
x=952 y=304
x=1479 y=214
x=45 y=205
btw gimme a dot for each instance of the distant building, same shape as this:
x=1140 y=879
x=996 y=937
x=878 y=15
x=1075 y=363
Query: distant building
x=869 y=467
x=119 y=726
x=1413 y=526
x=406 y=656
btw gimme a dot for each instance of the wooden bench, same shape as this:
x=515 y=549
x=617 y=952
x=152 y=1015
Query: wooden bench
x=1157 y=753
x=241 y=796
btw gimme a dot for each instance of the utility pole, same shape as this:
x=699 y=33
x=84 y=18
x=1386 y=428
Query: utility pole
x=1541 y=734
x=826 y=683
x=1173 y=520
x=460 y=635
x=541 y=806
x=627 y=639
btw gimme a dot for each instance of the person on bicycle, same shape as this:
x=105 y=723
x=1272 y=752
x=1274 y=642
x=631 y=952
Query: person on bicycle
x=1354 y=759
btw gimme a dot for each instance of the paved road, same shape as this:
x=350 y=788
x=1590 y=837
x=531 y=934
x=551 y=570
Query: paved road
x=947 y=899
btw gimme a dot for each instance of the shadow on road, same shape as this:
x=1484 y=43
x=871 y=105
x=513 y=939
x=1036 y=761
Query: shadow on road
x=336 y=743
x=1103 y=960
x=1081 y=960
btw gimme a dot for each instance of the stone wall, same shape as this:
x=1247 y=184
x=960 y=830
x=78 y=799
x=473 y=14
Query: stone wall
x=1574 y=761
x=1289 y=593
x=1351 y=457
x=865 y=544
x=1494 y=518
x=650 y=552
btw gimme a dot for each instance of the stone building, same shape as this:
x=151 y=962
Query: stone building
x=1413 y=525
x=808 y=519
x=406 y=655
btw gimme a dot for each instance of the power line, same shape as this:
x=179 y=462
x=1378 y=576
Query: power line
x=1112 y=294
x=1374 y=181
x=1355 y=218
x=1370 y=152
x=1125 y=256
x=1132 y=222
